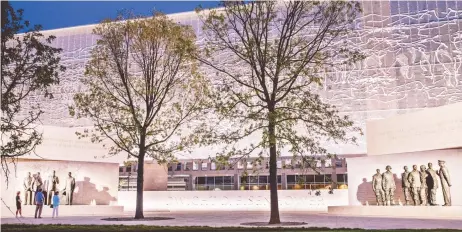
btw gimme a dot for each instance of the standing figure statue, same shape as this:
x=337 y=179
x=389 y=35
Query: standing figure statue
x=423 y=185
x=445 y=182
x=388 y=185
x=69 y=188
x=28 y=191
x=406 y=185
x=432 y=184
x=377 y=187
x=37 y=183
x=53 y=183
x=414 y=180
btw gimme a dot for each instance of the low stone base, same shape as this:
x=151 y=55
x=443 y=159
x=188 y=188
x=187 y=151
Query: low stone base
x=425 y=212
x=66 y=210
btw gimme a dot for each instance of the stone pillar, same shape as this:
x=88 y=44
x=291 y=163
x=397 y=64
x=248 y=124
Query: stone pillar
x=190 y=184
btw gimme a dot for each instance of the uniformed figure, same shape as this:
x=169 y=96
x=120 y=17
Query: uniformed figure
x=377 y=187
x=445 y=182
x=423 y=186
x=406 y=185
x=37 y=183
x=414 y=180
x=53 y=183
x=28 y=191
x=432 y=184
x=69 y=188
x=388 y=185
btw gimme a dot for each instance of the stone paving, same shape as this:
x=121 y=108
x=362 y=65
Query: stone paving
x=233 y=219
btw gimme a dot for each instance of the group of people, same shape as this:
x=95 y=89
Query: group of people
x=44 y=193
x=39 y=200
x=420 y=186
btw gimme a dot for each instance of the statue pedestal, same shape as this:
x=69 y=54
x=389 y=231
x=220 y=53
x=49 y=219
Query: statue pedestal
x=69 y=211
x=427 y=212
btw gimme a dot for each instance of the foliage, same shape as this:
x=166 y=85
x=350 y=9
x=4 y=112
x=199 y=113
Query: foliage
x=29 y=64
x=270 y=59
x=142 y=89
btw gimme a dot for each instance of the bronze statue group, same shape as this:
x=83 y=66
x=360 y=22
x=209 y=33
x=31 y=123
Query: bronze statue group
x=419 y=186
x=41 y=192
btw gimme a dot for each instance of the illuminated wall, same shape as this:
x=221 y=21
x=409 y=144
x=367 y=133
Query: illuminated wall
x=414 y=61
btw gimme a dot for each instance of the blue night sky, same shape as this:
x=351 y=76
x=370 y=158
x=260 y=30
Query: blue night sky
x=52 y=15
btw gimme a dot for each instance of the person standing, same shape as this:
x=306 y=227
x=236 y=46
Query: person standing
x=55 y=204
x=53 y=183
x=18 y=204
x=39 y=198
x=445 y=182
x=37 y=184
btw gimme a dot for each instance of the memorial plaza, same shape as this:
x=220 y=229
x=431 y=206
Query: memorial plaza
x=404 y=173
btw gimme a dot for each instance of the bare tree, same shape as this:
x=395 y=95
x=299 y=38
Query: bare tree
x=269 y=58
x=142 y=89
x=29 y=64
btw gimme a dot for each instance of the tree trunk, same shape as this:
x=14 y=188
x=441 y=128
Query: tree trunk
x=139 y=186
x=274 y=218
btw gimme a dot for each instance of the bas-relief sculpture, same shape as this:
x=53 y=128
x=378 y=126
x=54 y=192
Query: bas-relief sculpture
x=432 y=184
x=28 y=189
x=445 y=182
x=69 y=188
x=421 y=185
x=388 y=185
x=51 y=185
x=415 y=183
x=406 y=185
x=377 y=187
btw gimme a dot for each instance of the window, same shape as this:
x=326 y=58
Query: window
x=215 y=183
x=319 y=178
x=195 y=166
x=213 y=166
x=279 y=164
x=240 y=165
x=129 y=169
x=121 y=169
x=257 y=183
x=338 y=163
x=178 y=167
x=170 y=168
x=204 y=166
x=249 y=165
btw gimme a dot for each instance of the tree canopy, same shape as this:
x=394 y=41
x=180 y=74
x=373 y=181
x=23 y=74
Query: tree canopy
x=29 y=64
x=269 y=59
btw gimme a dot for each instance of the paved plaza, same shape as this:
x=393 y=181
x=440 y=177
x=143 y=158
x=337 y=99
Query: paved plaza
x=234 y=219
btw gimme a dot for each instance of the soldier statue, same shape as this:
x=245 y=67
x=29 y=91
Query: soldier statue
x=28 y=191
x=406 y=185
x=377 y=187
x=415 y=182
x=445 y=182
x=423 y=185
x=388 y=185
x=69 y=188
x=432 y=184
